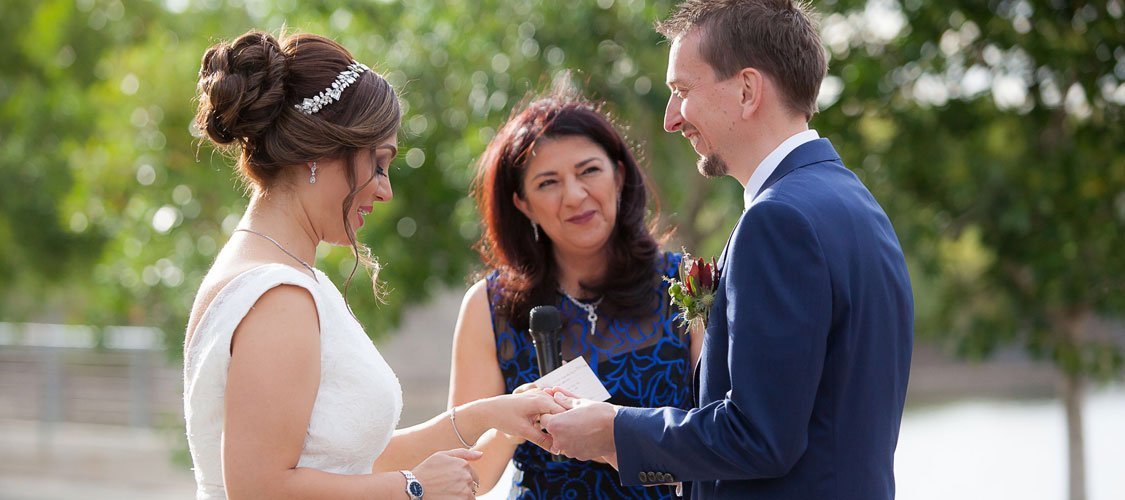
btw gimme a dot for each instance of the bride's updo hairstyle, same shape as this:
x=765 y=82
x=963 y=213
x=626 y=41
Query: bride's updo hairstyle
x=247 y=92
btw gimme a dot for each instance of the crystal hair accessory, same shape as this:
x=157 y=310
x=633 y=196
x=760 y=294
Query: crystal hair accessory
x=332 y=94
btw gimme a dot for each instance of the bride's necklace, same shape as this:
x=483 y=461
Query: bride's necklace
x=590 y=308
x=287 y=252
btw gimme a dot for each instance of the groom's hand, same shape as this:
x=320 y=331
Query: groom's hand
x=584 y=431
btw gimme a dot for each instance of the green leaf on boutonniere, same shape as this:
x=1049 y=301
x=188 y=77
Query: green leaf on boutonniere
x=694 y=292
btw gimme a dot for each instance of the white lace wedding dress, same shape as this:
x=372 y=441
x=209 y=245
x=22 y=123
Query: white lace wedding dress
x=358 y=402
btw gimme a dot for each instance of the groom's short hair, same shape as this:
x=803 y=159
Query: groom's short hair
x=776 y=37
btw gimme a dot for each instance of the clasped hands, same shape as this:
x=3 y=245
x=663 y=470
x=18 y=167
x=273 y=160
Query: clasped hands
x=581 y=429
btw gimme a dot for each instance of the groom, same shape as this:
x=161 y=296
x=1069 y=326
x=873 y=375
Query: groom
x=806 y=354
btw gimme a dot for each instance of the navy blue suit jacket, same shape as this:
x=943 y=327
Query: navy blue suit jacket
x=806 y=355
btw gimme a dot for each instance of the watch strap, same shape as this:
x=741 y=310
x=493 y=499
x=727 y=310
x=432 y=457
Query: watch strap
x=413 y=486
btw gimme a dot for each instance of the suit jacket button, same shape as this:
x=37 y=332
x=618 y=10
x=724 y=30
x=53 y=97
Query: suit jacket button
x=642 y=476
x=664 y=478
x=668 y=478
x=652 y=477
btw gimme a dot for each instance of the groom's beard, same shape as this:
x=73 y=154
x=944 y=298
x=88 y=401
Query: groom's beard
x=712 y=166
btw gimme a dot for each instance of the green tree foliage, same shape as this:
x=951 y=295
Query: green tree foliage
x=997 y=128
x=991 y=131
x=114 y=207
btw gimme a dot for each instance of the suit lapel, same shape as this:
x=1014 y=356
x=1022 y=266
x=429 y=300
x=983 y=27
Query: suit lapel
x=811 y=152
x=695 y=381
x=814 y=151
x=723 y=256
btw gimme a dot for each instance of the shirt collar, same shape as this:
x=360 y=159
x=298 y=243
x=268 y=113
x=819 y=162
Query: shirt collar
x=770 y=163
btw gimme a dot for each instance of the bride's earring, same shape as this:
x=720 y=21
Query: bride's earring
x=535 y=230
x=312 y=173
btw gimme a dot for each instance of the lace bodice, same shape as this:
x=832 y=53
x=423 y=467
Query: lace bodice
x=358 y=402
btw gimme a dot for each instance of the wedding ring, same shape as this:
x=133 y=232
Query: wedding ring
x=474 y=487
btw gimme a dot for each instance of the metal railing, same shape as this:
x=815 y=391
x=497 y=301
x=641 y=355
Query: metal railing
x=40 y=356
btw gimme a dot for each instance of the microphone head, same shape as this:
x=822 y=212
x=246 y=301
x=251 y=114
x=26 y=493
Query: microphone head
x=545 y=319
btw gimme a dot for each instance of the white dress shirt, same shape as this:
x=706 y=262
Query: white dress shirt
x=770 y=163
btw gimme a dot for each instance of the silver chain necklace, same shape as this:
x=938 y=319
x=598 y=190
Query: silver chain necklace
x=287 y=252
x=591 y=308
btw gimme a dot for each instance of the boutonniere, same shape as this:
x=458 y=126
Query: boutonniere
x=694 y=292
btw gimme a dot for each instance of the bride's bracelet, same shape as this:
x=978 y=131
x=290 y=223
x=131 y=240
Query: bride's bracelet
x=453 y=420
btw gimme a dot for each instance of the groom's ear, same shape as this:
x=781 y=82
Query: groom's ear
x=751 y=84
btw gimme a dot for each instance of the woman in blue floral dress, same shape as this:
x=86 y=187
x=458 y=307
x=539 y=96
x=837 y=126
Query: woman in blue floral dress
x=564 y=208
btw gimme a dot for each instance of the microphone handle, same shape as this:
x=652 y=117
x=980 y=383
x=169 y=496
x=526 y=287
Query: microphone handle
x=549 y=357
x=547 y=350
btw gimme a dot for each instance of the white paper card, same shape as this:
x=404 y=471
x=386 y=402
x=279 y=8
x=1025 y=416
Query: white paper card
x=577 y=378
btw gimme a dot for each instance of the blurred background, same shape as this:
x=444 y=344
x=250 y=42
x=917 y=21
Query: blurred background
x=990 y=130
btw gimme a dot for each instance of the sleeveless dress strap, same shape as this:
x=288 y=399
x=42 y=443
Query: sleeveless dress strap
x=207 y=360
x=234 y=301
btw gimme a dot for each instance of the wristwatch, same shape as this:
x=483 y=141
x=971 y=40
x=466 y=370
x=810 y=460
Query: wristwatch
x=413 y=487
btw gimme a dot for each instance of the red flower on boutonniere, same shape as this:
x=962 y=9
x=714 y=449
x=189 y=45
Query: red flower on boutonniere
x=694 y=292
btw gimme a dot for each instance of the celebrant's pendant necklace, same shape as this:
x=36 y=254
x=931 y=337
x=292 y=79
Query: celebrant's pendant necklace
x=591 y=308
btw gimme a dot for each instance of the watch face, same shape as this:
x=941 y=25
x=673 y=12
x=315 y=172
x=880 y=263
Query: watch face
x=416 y=489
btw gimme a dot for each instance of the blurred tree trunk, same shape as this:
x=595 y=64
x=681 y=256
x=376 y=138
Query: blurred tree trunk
x=1074 y=398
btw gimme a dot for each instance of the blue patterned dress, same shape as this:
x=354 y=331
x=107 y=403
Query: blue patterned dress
x=643 y=362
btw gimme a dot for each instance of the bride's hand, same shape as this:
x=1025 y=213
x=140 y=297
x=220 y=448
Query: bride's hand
x=447 y=474
x=516 y=439
x=518 y=414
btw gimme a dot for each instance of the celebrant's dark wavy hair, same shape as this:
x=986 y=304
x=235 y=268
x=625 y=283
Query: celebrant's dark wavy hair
x=526 y=268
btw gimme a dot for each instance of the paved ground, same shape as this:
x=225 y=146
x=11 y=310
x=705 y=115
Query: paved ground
x=88 y=461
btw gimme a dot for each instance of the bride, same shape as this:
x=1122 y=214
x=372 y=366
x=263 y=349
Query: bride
x=284 y=394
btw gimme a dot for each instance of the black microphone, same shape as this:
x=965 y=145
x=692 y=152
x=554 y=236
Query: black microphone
x=545 y=326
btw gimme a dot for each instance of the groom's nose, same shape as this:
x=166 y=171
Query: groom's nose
x=673 y=120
